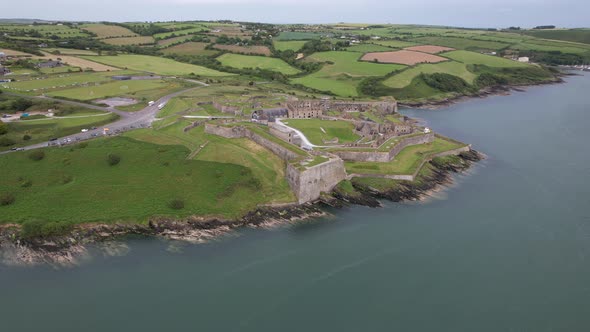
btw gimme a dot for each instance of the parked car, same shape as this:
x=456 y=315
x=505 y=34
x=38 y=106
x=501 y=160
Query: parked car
x=84 y=130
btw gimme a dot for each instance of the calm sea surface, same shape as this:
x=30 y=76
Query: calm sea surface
x=505 y=249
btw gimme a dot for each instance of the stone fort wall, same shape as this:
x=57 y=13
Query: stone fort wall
x=310 y=183
x=306 y=184
x=383 y=157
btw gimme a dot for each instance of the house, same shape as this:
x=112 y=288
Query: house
x=2 y=56
x=49 y=64
x=4 y=70
x=523 y=59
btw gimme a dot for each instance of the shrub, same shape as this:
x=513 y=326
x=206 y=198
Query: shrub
x=176 y=204
x=38 y=228
x=3 y=128
x=445 y=82
x=26 y=183
x=113 y=159
x=37 y=155
x=5 y=141
x=26 y=137
x=6 y=199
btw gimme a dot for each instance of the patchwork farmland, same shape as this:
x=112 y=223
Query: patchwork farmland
x=403 y=57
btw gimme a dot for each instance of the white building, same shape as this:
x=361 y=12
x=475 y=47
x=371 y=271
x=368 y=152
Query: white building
x=523 y=59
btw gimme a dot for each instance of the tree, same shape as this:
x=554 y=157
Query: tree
x=3 y=128
x=113 y=159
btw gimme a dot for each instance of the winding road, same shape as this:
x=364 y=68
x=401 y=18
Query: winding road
x=128 y=120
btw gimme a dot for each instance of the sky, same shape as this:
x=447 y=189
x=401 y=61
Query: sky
x=463 y=13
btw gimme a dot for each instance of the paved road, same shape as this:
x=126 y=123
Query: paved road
x=128 y=120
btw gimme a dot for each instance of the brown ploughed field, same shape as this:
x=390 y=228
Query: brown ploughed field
x=432 y=49
x=402 y=57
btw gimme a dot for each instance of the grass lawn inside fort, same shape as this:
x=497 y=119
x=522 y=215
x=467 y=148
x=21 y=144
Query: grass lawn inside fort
x=406 y=162
x=77 y=184
x=312 y=129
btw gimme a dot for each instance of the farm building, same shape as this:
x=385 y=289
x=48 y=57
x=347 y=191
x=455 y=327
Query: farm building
x=4 y=70
x=523 y=59
x=49 y=64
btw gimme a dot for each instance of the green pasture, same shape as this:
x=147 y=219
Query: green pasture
x=155 y=65
x=404 y=78
x=252 y=61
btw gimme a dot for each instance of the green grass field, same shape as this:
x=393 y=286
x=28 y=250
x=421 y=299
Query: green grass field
x=138 y=40
x=295 y=35
x=293 y=45
x=406 y=162
x=111 y=89
x=61 y=81
x=405 y=77
x=155 y=65
x=461 y=43
x=108 y=30
x=470 y=58
x=395 y=43
x=343 y=72
x=573 y=35
x=262 y=62
x=42 y=130
x=551 y=46
x=364 y=48
x=312 y=129
x=265 y=166
x=175 y=105
x=78 y=185
x=189 y=48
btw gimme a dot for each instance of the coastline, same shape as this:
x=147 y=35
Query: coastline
x=500 y=90
x=70 y=249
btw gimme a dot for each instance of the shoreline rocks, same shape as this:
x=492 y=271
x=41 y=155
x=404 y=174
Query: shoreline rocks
x=71 y=249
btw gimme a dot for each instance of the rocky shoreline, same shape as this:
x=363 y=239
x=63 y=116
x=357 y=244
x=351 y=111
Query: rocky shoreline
x=501 y=90
x=70 y=249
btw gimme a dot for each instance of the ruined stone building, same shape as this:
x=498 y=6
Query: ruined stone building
x=304 y=109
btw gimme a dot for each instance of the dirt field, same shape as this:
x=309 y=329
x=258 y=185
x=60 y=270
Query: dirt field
x=77 y=62
x=432 y=49
x=14 y=53
x=402 y=57
x=262 y=50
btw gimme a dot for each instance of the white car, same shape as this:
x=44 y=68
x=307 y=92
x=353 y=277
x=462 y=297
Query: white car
x=84 y=130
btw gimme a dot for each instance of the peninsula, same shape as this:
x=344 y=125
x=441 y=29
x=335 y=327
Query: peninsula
x=188 y=129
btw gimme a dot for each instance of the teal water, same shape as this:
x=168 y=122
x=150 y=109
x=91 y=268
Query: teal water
x=505 y=249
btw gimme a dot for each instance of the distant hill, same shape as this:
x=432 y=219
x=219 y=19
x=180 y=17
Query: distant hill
x=573 y=35
x=23 y=20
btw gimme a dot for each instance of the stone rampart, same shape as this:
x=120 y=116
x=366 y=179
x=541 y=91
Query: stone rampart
x=238 y=132
x=383 y=157
x=308 y=184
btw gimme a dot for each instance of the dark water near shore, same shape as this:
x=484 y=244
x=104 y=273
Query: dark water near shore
x=506 y=249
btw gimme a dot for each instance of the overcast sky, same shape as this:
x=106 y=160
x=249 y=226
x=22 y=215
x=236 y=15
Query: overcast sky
x=465 y=13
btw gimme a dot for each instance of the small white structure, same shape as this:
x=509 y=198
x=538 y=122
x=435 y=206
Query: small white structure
x=523 y=59
x=161 y=106
x=426 y=130
x=151 y=103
